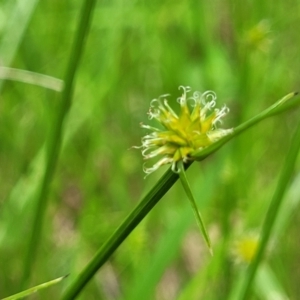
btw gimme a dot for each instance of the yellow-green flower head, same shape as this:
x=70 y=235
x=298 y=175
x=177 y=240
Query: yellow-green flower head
x=245 y=248
x=193 y=129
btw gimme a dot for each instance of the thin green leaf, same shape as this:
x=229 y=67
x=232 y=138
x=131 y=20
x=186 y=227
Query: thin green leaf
x=197 y=214
x=35 y=289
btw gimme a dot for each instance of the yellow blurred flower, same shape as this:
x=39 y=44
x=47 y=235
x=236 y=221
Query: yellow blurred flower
x=245 y=248
x=258 y=37
x=195 y=128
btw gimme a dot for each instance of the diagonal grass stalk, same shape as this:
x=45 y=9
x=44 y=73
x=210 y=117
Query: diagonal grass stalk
x=151 y=199
x=133 y=219
x=55 y=137
x=34 y=78
x=273 y=211
x=35 y=289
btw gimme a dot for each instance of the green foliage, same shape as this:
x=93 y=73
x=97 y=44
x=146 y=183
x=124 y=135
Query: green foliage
x=247 y=52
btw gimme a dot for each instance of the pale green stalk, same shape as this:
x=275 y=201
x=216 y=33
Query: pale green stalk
x=151 y=199
x=29 y=77
x=55 y=137
x=12 y=34
x=35 y=289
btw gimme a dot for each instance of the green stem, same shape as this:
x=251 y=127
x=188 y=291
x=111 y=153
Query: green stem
x=280 y=106
x=145 y=206
x=273 y=210
x=55 y=137
x=134 y=218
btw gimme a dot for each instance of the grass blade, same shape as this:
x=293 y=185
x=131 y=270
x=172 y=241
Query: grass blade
x=54 y=142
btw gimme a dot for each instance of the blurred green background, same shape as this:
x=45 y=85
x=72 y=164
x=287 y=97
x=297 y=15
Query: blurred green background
x=246 y=51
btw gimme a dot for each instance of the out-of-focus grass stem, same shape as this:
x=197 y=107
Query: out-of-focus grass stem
x=273 y=210
x=54 y=139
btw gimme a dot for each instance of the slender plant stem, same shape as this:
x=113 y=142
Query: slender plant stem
x=273 y=210
x=145 y=206
x=280 y=106
x=133 y=219
x=55 y=137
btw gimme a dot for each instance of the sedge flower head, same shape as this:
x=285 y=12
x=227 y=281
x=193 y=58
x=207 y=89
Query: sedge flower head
x=194 y=128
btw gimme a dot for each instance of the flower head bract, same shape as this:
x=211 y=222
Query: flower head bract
x=193 y=129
